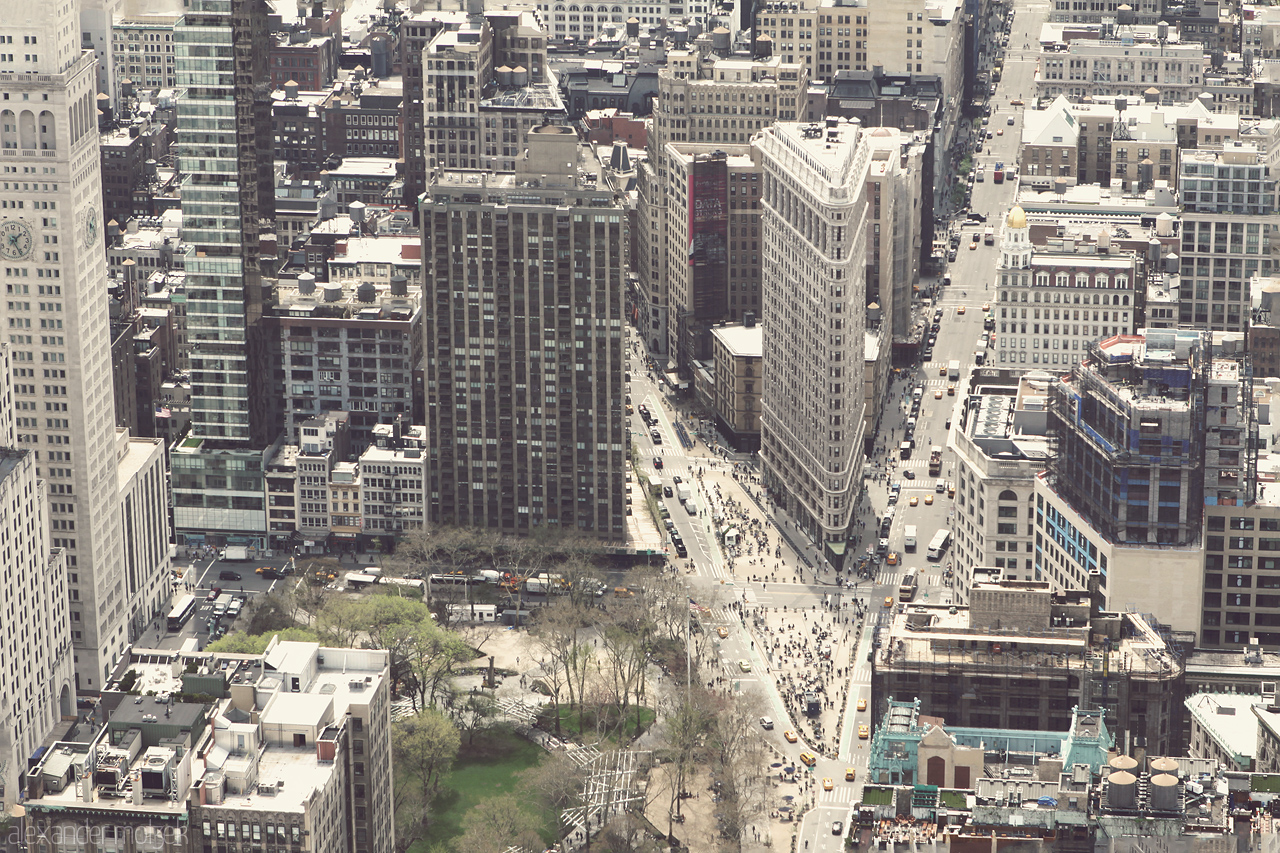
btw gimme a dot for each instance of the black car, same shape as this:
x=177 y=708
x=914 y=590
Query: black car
x=666 y=491
x=681 y=551
x=837 y=828
x=974 y=216
x=228 y=575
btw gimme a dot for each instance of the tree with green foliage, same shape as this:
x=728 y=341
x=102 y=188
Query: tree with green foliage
x=432 y=654
x=240 y=642
x=496 y=825
x=424 y=746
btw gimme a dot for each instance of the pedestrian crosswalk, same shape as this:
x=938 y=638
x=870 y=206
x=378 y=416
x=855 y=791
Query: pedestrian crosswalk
x=861 y=673
x=890 y=576
x=839 y=795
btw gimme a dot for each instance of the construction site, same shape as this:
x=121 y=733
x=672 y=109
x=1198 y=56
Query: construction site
x=1022 y=657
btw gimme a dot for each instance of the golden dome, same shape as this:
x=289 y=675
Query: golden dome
x=1017 y=217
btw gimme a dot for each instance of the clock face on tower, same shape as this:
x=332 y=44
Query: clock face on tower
x=15 y=239
x=90 y=226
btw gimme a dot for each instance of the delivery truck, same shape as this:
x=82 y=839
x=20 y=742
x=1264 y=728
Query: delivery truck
x=909 y=537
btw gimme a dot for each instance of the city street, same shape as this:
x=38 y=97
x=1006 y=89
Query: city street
x=774 y=596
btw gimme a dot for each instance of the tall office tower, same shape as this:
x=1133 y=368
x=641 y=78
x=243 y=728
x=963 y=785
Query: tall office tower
x=36 y=682
x=703 y=103
x=1129 y=428
x=1148 y=431
x=523 y=346
x=1230 y=231
x=225 y=156
x=56 y=310
x=713 y=245
x=815 y=218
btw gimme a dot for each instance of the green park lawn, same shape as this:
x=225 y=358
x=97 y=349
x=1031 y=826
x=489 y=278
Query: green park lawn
x=488 y=769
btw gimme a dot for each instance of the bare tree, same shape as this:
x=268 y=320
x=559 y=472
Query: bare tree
x=557 y=783
x=556 y=633
x=471 y=710
x=739 y=763
x=684 y=731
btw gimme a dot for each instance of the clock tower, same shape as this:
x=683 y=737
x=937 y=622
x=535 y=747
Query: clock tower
x=56 y=316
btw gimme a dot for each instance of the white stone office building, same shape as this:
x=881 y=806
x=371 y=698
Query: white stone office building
x=703 y=104
x=56 y=314
x=814 y=294
x=1052 y=301
x=36 y=681
x=1001 y=444
x=1230 y=229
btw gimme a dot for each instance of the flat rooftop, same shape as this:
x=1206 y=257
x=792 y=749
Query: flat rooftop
x=741 y=341
x=1229 y=718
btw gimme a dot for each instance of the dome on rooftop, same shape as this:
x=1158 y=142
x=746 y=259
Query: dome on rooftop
x=1017 y=217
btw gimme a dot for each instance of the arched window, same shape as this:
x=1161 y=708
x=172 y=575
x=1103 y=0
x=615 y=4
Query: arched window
x=1008 y=495
x=48 y=131
x=27 y=129
x=8 y=129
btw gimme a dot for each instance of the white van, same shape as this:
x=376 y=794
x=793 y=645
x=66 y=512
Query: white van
x=940 y=486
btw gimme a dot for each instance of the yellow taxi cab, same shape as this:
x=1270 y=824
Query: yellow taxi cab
x=862 y=704
x=942 y=369
x=850 y=774
x=808 y=759
x=951 y=390
x=790 y=736
x=893 y=558
x=951 y=490
x=937 y=394
x=888 y=601
x=928 y=500
x=960 y=309
x=827 y=784
x=864 y=732
x=915 y=501
x=723 y=632
x=986 y=306
x=744 y=665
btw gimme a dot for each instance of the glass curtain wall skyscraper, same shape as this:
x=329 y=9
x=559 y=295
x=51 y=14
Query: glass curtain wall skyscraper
x=224 y=155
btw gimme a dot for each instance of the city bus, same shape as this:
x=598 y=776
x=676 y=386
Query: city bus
x=910 y=582
x=181 y=612
x=938 y=544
